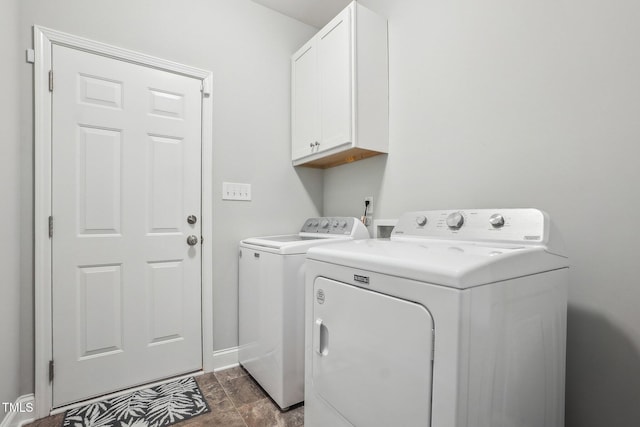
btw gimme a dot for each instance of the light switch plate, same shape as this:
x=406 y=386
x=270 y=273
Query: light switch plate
x=236 y=191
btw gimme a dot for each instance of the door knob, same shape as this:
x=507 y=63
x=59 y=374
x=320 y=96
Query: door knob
x=192 y=219
x=192 y=240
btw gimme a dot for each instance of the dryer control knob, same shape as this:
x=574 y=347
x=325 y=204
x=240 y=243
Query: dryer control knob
x=455 y=220
x=496 y=220
x=343 y=224
x=324 y=223
x=421 y=220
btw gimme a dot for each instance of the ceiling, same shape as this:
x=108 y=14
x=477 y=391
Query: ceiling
x=313 y=12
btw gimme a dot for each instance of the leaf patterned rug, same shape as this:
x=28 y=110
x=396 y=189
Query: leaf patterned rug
x=158 y=406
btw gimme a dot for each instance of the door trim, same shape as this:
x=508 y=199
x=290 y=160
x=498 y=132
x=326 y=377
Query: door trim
x=44 y=39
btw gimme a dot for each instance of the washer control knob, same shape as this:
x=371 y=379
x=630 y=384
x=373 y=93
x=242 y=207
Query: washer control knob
x=496 y=220
x=455 y=221
x=334 y=223
x=343 y=224
x=315 y=223
x=421 y=220
x=324 y=223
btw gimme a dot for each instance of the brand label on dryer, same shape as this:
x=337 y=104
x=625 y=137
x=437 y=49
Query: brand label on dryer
x=320 y=296
x=361 y=279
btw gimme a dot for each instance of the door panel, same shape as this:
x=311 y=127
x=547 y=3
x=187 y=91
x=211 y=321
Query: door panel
x=165 y=301
x=102 y=329
x=166 y=104
x=100 y=91
x=99 y=168
x=305 y=127
x=334 y=62
x=372 y=355
x=166 y=156
x=126 y=155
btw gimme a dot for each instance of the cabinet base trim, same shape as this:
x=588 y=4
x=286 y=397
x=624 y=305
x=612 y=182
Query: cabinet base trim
x=348 y=156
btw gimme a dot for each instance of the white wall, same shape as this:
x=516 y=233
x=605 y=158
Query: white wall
x=247 y=47
x=526 y=103
x=10 y=239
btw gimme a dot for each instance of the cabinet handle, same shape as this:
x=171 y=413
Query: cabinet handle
x=311 y=145
x=317 y=144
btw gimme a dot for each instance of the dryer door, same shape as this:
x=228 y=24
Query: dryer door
x=372 y=355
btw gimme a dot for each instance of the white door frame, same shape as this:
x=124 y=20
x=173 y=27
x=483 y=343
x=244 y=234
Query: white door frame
x=44 y=38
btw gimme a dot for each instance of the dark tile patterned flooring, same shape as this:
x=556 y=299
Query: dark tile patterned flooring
x=235 y=400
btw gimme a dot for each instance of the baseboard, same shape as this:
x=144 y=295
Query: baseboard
x=18 y=418
x=224 y=359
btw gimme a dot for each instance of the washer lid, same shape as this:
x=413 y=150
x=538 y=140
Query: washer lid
x=289 y=244
x=455 y=264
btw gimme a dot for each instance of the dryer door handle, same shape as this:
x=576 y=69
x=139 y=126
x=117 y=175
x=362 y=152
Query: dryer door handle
x=320 y=337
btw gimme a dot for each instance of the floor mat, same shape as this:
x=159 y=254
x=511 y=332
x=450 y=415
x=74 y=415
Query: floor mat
x=158 y=406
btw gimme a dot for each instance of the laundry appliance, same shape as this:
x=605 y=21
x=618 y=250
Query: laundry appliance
x=459 y=320
x=271 y=303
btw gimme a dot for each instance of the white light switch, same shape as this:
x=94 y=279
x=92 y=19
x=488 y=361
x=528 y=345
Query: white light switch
x=236 y=191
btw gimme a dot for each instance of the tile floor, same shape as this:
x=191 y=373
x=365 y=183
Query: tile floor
x=235 y=400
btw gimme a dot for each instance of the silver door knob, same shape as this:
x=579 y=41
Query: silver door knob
x=311 y=145
x=317 y=144
x=192 y=240
x=192 y=219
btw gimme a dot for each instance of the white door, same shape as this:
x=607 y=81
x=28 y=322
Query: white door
x=305 y=113
x=126 y=161
x=372 y=356
x=334 y=63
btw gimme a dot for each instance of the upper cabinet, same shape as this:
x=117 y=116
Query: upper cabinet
x=340 y=91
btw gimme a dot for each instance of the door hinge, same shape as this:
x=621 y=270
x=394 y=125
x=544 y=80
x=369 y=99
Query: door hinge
x=205 y=91
x=201 y=240
x=50 y=80
x=50 y=226
x=50 y=371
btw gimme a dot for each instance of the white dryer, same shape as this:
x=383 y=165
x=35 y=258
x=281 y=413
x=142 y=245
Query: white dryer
x=458 y=321
x=271 y=303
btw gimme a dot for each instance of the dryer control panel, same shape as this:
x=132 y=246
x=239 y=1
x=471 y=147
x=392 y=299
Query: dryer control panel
x=496 y=225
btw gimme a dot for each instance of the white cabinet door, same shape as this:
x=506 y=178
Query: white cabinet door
x=371 y=355
x=334 y=64
x=126 y=155
x=305 y=112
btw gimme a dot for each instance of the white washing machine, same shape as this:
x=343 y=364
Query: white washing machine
x=271 y=303
x=458 y=321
